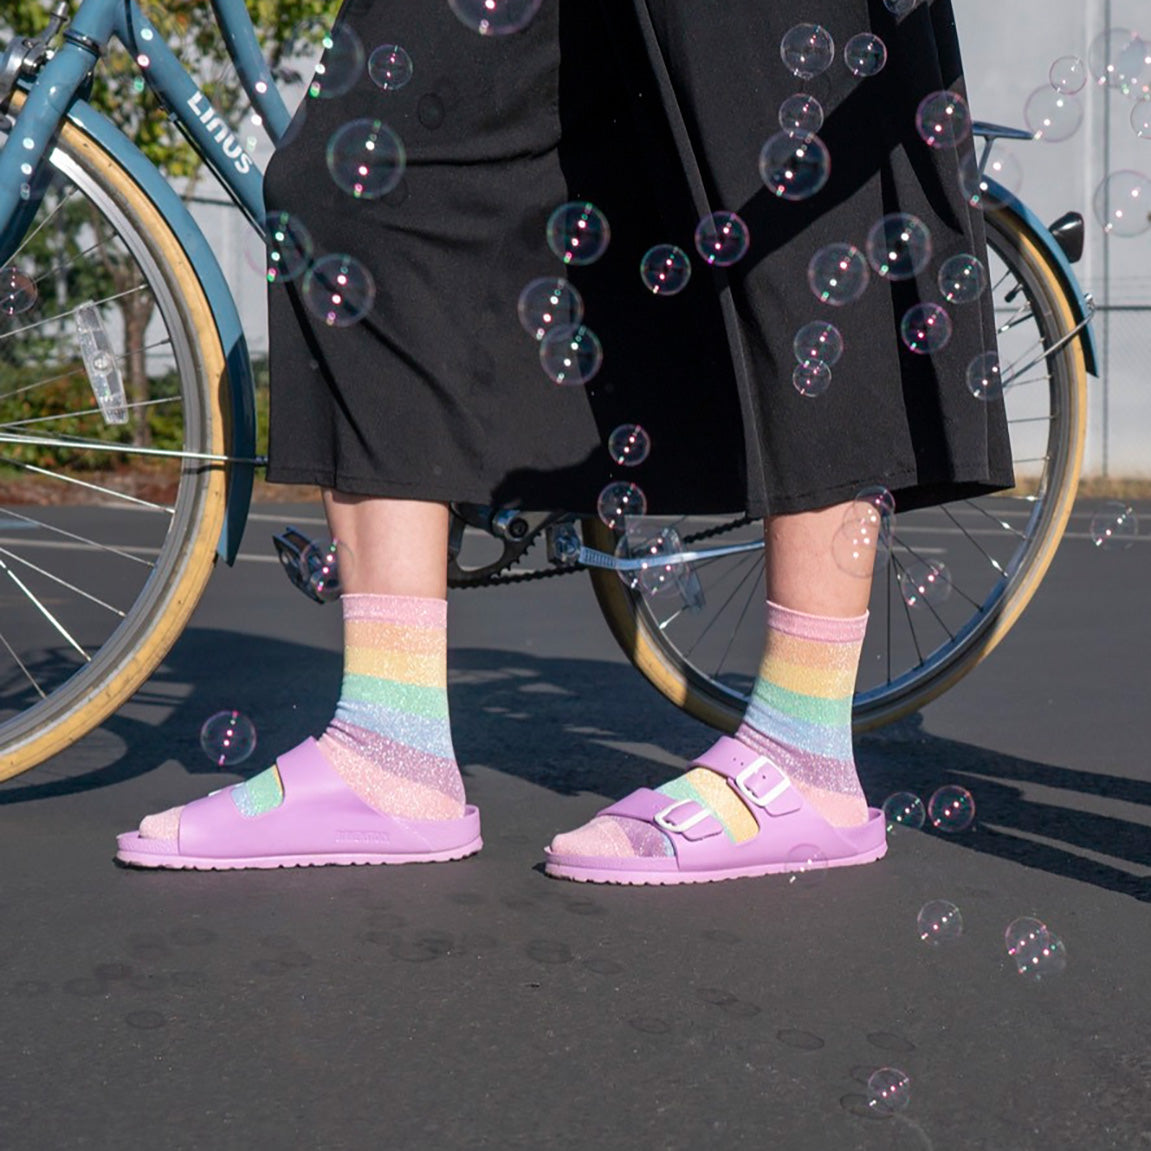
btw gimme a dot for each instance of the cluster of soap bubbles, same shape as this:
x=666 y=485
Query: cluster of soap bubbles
x=228 y=738
x=18 y=292
x=1115 y=527
x=1119 y=61
x=951 y=809
x=1038 y=953
x=862 y=544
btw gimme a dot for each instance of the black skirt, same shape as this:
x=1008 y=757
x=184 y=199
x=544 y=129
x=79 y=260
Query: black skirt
x=655 y=111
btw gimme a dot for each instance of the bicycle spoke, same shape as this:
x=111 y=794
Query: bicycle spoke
x=43 y=224
x=62 y=582
x=39 y=605
x=23 y=667
x=995 y=564
x=79 y=539
x=125 y=497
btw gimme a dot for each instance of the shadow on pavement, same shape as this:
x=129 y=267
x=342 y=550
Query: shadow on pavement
x=576 y=726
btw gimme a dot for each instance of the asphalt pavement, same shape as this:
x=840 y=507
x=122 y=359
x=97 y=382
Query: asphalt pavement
x=480 y=1004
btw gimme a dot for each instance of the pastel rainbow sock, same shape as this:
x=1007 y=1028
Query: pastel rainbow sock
x=390 y=740
x=799 y=717
x=800 y=710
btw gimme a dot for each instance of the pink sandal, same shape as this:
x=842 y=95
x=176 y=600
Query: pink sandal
x=791 y=833
x=319 y=821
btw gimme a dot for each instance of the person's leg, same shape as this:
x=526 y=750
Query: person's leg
x=390 y=739
x=800 y=711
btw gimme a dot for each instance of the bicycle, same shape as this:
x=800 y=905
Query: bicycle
x=71 y=182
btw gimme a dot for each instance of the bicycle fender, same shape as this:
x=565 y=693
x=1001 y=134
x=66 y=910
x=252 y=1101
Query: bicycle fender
x=241 y=387
x=1062 y=266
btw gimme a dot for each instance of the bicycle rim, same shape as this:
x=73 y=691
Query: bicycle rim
x=996 y=549
x=103 y=553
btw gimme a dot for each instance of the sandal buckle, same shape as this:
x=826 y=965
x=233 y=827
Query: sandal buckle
x=770 y=796
x=661 y=817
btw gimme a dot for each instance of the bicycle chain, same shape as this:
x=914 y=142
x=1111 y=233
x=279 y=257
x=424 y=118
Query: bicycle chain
x=550 y=573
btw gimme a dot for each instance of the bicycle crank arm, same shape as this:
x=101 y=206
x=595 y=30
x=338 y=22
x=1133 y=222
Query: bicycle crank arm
x=591 y=558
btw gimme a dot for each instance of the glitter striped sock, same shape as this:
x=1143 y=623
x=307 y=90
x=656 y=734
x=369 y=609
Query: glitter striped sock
x=799 y=716
x=800 y=710
x=390 y=739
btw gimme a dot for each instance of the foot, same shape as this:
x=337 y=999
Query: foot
x=733 y=814
x=299 y=813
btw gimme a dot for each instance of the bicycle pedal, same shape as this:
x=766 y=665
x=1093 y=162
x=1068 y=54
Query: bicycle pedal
x=312 y=569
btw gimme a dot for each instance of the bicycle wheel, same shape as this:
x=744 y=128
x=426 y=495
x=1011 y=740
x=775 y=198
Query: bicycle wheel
x=995 y=550
x=104 y=546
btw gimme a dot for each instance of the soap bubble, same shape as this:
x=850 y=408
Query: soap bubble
x=993 y=185
x=390 y=67
x=578 y=232
x=547 y=303
x=722 y=238
x=1114 y=527
x=806 y=865
x=938 y=922
x=811 y=378
x=228 y=738
x=925 y=583
x=495 y=17
x=904 y=809
x=985 y=377
x=794 y=167
x=838 y=274
x=801 y=115
x=888 y=1090
x=571 y=355
x=1122 y=204
x=1068 y=75
x=943 y=119
x=1052 y=116
x=925 y=328
x=858 y=543
x=1036 y=950
x=658 y=576
x=878 y=497
x=951 y=809
x=18 y=292
x=899 y=246
x=366 y=159
x=665 y=270
x=962 y=278
x=900 y=7
x=340 y=66
x=865 y=54
x=629 y=445
x=324 y=567
x=807 y=50
x=1118 y=59
x=1141 y=119
x=818 y=341
x=339 y=290
x=288 y=248
x=618 y=501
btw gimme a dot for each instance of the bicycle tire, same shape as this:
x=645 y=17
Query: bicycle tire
x=702 y=695
x=157 y=616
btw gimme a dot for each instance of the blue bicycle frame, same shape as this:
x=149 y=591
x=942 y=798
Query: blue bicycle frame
x=57 y=95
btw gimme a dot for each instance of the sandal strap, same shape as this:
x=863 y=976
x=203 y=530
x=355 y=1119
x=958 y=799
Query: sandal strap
x=681 y=818
x=763 y=787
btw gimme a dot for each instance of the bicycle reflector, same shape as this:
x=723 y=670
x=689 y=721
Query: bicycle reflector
x=100 y=364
